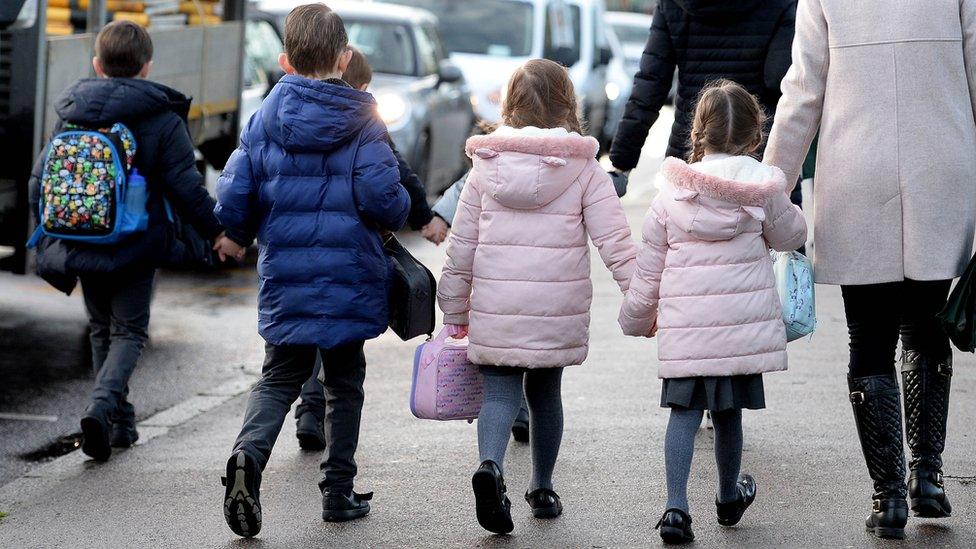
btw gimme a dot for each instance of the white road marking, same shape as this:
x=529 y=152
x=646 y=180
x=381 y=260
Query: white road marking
x=27 y=417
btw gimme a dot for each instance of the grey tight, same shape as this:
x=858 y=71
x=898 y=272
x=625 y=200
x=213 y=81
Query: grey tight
x=503 y=399
x=679 y=447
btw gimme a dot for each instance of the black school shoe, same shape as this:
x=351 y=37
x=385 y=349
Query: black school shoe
x=730 y=513
x=344 y=506
x=123 y=435
x=492 y=505
x=242 y=503
x=95 y=427
x=310 y=432
x=520 y=431
x=675 y=527
x=545 y=503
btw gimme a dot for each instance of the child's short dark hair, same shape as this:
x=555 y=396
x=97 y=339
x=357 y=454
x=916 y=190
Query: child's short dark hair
x=358 y=72
x=123 y=48
x=315 y=37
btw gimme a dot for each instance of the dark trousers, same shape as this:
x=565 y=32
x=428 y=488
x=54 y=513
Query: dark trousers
x=878 y=313
x=286 y=368
x=118 y=315
x=313 y=394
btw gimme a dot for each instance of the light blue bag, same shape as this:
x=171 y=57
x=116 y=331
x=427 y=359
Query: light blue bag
x=794 y=282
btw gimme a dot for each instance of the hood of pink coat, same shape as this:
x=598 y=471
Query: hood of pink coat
x=717 y=206
x=526 y=172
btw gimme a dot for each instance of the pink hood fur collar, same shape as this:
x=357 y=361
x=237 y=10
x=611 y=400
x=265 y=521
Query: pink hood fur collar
x=681 y=175
x=561 y=146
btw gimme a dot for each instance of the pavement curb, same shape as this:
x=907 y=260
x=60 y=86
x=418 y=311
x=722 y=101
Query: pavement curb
x=42 y=476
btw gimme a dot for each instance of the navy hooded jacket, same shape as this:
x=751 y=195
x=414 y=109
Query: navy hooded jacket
x=315 y=181
x=156 y=115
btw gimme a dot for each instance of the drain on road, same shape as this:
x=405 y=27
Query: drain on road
x=62 y=446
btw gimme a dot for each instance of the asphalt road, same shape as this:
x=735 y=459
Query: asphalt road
x=813 y=485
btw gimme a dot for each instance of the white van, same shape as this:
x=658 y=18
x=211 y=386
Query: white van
x=488 y=39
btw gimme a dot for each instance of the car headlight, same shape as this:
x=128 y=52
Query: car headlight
x=392 y=108
x=613 y=91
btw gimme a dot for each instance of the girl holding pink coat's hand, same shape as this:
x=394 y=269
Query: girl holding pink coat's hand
x=704 y=284
x=517 y=276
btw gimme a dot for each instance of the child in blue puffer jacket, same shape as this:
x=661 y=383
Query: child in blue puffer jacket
x=315 y=181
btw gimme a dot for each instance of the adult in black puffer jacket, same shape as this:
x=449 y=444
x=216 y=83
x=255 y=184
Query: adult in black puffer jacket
x=746 y=41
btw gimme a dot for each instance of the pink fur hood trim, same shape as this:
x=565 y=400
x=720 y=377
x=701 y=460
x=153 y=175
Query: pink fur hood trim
x=561 y=146
x=681 y=175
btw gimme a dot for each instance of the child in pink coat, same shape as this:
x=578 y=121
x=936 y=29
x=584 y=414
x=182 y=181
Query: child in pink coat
x=704 y=284
x=517 y=277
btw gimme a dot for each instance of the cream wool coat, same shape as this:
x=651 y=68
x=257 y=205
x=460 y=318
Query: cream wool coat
x=704 y=273
x=890 y=85
x=518 y=259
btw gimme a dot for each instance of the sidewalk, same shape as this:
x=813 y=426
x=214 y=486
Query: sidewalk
x=813 y=485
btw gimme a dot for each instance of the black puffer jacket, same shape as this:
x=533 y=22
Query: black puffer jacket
x=156 y=115
x=747 y=41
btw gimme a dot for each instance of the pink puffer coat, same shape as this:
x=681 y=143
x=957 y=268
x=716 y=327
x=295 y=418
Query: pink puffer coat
x=518 y=259
x=704 y=272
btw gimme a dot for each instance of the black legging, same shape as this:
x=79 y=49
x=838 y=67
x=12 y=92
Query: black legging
x=877 y=313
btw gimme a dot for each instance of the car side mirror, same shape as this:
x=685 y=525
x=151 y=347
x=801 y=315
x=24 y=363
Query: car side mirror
x=605 y=55
x=448 y=73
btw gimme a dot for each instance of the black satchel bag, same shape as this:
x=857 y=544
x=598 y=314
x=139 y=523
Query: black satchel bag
x=959 y=315
x=412 y=292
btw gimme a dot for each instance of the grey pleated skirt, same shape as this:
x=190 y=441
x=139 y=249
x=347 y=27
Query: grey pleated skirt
x=714 y=393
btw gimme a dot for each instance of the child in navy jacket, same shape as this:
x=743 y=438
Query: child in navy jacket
x=315 y=182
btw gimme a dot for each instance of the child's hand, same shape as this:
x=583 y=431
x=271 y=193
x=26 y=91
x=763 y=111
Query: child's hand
x=436 y=230
x=457 y=331
x=226 y=248
x=653 y=331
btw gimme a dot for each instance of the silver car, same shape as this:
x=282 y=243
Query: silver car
x=422 y=97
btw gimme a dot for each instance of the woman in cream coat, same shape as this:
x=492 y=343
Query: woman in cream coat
x=889 y=85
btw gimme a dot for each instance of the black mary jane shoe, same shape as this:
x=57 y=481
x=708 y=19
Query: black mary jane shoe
x=545 y=503
x=242 y=497
x=730 y=513
x=345 y=506
x=675 y=527
x=492 y=505
x=520 y=431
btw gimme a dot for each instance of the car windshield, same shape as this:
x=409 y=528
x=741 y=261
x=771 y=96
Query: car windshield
x=387 y=45
x=631 y=35
x=500 y=28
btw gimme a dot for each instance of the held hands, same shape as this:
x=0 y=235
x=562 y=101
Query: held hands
x=457 y=331
x=227 y=248
x=436 y=230
x=653 y=331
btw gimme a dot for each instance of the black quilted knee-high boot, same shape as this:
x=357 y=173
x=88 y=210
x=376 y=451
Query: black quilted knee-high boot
x=877 y=414
x=926 y=381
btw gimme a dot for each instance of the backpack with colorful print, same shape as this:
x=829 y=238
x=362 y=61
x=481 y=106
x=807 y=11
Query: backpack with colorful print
x=89 y=190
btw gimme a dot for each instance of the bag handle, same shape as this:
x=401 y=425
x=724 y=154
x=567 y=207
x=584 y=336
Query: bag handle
x=428 y=355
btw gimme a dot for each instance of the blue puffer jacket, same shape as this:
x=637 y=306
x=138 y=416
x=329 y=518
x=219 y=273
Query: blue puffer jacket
x=314 y=180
